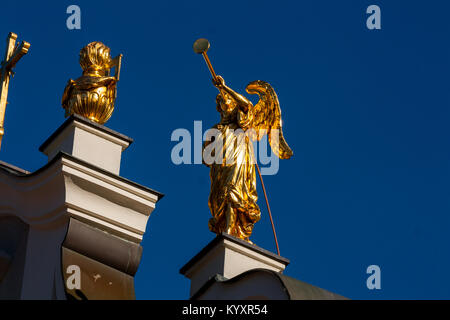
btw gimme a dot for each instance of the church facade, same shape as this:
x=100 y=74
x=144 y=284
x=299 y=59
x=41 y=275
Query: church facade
x=73 y=228
x=75 y=212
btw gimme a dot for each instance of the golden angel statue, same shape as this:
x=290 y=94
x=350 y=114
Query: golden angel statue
x=233 y=196
x=92 y=95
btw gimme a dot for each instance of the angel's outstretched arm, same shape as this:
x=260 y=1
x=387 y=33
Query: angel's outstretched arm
x=243 y=103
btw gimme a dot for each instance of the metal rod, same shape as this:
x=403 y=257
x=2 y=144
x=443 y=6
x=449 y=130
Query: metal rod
x=268 y=208
x=205 y=56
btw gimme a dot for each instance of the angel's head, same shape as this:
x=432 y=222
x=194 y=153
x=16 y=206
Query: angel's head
x=225 y=102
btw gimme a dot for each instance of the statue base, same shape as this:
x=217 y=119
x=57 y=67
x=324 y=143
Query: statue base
x=229 y=257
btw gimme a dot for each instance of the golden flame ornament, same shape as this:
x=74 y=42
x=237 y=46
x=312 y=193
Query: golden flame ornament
x=93 y=94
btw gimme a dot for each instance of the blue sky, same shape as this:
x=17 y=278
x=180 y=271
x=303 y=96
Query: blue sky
x=365 y=111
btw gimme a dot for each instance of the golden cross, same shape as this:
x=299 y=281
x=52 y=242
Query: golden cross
x=12 y=56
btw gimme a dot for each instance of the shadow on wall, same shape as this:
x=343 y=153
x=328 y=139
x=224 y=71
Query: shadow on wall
x=13 y=241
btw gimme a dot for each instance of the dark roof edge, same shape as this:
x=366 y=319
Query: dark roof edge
x=291 y=285
x=223 y=235
x=220 y=279
x=13 y=169
x=87 y=122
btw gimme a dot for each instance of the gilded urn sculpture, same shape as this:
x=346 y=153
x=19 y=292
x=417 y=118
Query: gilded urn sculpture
x=93 y=94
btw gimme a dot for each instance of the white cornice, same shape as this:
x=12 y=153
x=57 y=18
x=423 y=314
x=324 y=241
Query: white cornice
x=70 y=187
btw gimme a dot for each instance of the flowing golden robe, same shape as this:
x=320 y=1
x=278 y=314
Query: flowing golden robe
x=233 y=196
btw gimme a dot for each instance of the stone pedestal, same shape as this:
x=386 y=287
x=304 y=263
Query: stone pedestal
x=228 y=257
x=88 y=141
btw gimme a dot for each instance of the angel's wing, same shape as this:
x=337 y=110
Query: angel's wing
x=267 y=118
